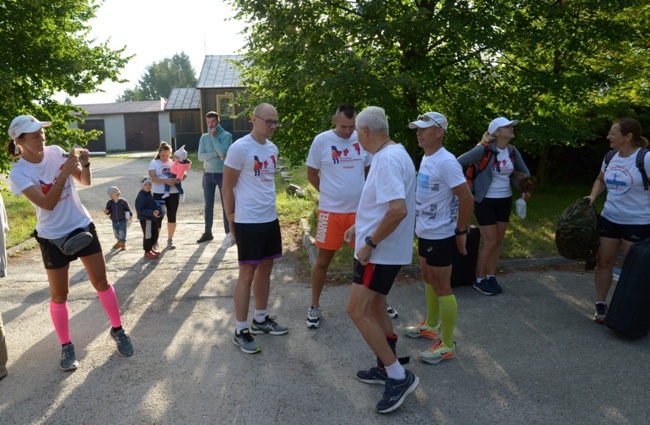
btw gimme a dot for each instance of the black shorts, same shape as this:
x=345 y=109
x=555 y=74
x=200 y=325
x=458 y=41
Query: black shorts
x=439 y=252
x=628 y=232
x=53 y=258
x=377 y=277
x=491 y=210
x=171 y=205
x=258 y=241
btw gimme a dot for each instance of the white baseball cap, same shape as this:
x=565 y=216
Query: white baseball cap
x=25 y=124
x=496 y=123
x=429 y=119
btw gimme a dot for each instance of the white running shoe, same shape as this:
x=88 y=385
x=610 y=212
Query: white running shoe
x=228 y=241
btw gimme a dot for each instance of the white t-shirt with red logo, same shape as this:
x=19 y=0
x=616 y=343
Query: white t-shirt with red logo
x=68 y=214
x=342 y=165
x=501 y=169
x=255 y=189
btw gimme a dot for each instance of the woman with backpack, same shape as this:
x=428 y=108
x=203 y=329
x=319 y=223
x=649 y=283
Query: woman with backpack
x=625 y=218
x=493 y=195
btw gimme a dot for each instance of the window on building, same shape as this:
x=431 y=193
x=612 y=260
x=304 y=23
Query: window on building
x=226 y=105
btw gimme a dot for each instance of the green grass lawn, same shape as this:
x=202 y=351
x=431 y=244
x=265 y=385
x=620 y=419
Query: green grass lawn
x=533 y=237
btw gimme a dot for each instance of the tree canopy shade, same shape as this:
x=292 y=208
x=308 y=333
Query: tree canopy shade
x=46 y=50
x=545 y=63
x=161 y=77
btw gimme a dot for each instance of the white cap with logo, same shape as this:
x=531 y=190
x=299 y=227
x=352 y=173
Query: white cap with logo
x=429 y=119
x=25 y=124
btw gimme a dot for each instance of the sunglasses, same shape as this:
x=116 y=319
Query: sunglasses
x=427 y=118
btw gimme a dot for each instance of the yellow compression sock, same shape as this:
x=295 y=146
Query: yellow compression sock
x=433 y=307
x=448 y=315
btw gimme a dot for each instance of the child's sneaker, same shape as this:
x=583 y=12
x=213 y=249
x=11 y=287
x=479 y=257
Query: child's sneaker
x=151 y=255
x=165 y=195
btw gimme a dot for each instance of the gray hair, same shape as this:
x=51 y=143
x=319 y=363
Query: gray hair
x=374 y=118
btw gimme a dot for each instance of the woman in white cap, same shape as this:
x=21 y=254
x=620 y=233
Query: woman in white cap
x=64 y=229
x=493 y=196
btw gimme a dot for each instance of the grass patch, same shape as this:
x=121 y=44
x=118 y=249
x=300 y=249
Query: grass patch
x=21 y=217
x=533 y=237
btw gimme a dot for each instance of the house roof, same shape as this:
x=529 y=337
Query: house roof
x=124 y=107
x=183 y=98
x=219 y=72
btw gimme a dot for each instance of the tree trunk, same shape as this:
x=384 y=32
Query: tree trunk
x=542 y=167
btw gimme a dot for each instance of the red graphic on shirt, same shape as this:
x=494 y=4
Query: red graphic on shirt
x=45 y=187
x=357 y=147
x=336 y=154
x=275 y=162
x=257 y=165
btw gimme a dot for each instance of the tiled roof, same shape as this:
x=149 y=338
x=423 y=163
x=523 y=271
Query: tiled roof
x=124 y=107
x=183 y=98
x=219 y=72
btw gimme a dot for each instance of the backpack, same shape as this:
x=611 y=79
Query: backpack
x=475 y=168
x=576 y=235
x=640 y=156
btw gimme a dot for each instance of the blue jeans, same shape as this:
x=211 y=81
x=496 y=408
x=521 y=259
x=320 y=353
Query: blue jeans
x=119 y=229
x=212 y=181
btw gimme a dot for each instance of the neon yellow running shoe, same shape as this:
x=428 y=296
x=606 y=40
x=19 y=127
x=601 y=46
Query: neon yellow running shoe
x=438 y=352
x=423 y=330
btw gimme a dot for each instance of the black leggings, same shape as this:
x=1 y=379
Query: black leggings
x=171 y=204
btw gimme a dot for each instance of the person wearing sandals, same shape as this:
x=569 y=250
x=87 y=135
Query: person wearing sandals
x=64 y=229
x=443 y=212
x=493 y=197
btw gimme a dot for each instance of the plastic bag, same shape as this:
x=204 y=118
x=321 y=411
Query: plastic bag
x=520 y=207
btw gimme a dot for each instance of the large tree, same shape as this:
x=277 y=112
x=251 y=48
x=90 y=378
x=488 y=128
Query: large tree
x=46 y=50
x=533 y=60
x=161 y=77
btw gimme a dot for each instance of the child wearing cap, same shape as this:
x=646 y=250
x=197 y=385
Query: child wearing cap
x=148 y=212
x=120 y=213
x=178 y=169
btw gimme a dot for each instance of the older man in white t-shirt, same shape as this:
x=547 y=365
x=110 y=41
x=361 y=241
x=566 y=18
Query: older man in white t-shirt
x=383 y=232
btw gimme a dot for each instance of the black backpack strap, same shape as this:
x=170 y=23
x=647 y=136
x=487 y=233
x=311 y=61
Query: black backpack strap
x=608 y=157
x=640 y=158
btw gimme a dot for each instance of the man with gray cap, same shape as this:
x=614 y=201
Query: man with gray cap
x=443 y=209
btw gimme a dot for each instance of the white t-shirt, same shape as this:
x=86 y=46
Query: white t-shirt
x=627 y=202
x=68 y=214
x=255 y=189
x=391 y=177
x=500 y=186
x=342 y=164
x=163 y=171
x=436 y=205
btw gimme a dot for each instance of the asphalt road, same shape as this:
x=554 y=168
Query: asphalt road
x=529 y=356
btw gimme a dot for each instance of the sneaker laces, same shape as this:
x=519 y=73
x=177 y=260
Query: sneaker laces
x=245 y=334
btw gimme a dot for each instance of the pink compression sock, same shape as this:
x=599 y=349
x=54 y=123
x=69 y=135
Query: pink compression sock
x=59 y=314
x=109 y=302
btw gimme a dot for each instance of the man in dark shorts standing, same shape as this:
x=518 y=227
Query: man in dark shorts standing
x=383 y=233
x=249 y=201
x=443 y=212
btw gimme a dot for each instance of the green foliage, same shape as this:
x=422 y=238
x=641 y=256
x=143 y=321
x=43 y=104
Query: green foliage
x=160 y=78
x=46 y=50
x=555 y=66
x=20 y=215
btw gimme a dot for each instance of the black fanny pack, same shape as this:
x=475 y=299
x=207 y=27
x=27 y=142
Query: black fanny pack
x=74 y=242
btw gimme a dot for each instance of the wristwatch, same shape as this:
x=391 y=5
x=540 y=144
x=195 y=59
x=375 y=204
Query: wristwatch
x=459 y=232
x=370 y=243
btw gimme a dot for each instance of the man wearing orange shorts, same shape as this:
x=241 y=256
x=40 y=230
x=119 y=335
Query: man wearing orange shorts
x=336 y=167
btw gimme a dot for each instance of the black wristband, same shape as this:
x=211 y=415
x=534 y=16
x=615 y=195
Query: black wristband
x=370 y=243
x=86 y=165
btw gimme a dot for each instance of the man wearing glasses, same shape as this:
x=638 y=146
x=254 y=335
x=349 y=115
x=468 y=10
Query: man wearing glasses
x=249 y=201
x=444 y=206
x=383 y=233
